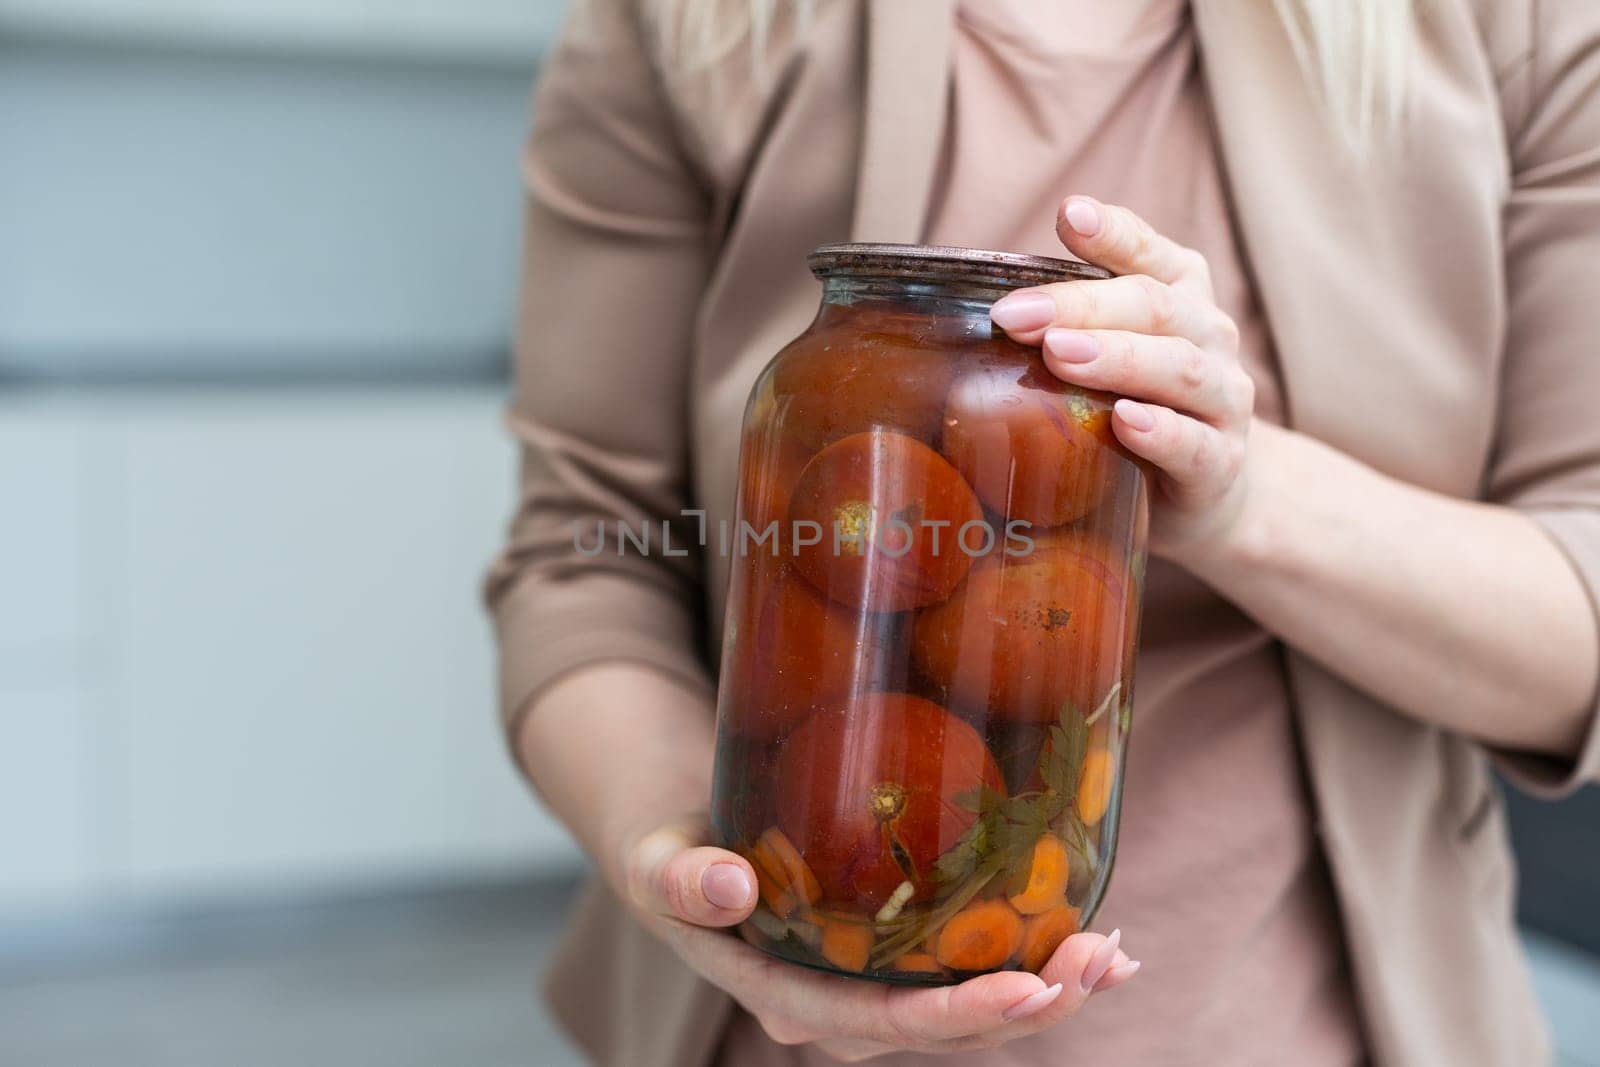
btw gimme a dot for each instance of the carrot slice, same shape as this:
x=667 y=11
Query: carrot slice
x=1042 y=934
x=980 y=937
x=774 y=895
x=801 y=880
x=1094 y=786
x=782 y=876
x=1046 y=885
x=917 y=963
x=846 y=945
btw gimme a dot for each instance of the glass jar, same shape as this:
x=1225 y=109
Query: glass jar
x=938 y=559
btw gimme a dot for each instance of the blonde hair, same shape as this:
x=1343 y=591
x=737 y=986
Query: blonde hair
x=1356 y=53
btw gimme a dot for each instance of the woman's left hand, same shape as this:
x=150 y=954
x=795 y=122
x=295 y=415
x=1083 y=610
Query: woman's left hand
x=1155 y=336
x=1304 y=539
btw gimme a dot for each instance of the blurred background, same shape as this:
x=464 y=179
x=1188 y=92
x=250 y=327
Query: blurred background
x=257 y=271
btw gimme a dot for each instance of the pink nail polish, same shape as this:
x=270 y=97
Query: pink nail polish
x=1117 y=975
x=1083 y=217
x=1021 y=312
x=1032 y=1004
x=726 y=886
x=1071 y=346
x=1136 y=415
x=1101 y=961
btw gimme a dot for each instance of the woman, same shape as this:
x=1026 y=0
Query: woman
x=1356 y=329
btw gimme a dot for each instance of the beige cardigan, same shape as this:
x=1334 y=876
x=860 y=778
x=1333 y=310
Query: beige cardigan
x=1460 y=277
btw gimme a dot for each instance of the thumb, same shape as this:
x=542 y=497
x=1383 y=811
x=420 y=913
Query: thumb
x=670 y=873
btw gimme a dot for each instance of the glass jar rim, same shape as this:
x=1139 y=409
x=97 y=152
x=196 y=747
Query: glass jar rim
x=941 y=263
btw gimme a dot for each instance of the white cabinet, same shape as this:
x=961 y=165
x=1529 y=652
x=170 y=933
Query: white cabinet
x=47 y=784
x=292 y=677
x=41 y=537
x=47 y=793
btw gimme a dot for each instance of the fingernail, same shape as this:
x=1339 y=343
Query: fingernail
x=1101 y=961
x=1117 y=975
x=1072 y=346
x=1023 y=311
x=1083 y=217
x=1136 y=415
x=726 y=886
x=1032 y=1004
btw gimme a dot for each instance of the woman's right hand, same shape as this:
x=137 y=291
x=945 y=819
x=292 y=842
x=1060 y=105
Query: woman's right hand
x=686 y=893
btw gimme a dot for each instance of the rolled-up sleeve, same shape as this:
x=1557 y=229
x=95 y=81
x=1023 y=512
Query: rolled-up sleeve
x=1547 y=460
x=615 y=263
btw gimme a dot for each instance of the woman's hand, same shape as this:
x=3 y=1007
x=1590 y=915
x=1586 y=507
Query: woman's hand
x=683 y=891
x=1155 y=336
x=1381 y=582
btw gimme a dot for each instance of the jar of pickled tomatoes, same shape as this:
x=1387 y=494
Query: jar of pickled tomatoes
x=937 y=563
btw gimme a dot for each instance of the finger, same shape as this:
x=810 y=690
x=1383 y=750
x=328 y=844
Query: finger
x=1135 y=302
x=1165 y=370
x=767 y=988
x=1035 y=1012
x=850 y=1050
x=976 y=1007
x=1078 y=965
x=1124 y=243
x=1083 y=957
x=797 y=1005
x=793 y=1005
x=1119 y=973
x=670 y=873
x=1190 y=453
x=925 y=1018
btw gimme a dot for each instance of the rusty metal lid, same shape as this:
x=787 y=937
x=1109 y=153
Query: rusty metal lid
x=942 y=264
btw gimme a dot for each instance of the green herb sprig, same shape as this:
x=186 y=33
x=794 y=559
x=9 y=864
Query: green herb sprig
x=1005 y=831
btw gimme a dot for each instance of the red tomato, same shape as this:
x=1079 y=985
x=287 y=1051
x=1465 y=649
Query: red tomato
x=1026 y=634
x=1119 y=561
x=876 y=498
x=871 y=369
x=867 y=792
x=768 y=470
x=803 y=652
x=1033 y=447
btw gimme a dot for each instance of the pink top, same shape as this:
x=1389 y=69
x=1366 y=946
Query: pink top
x=1220 y=886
